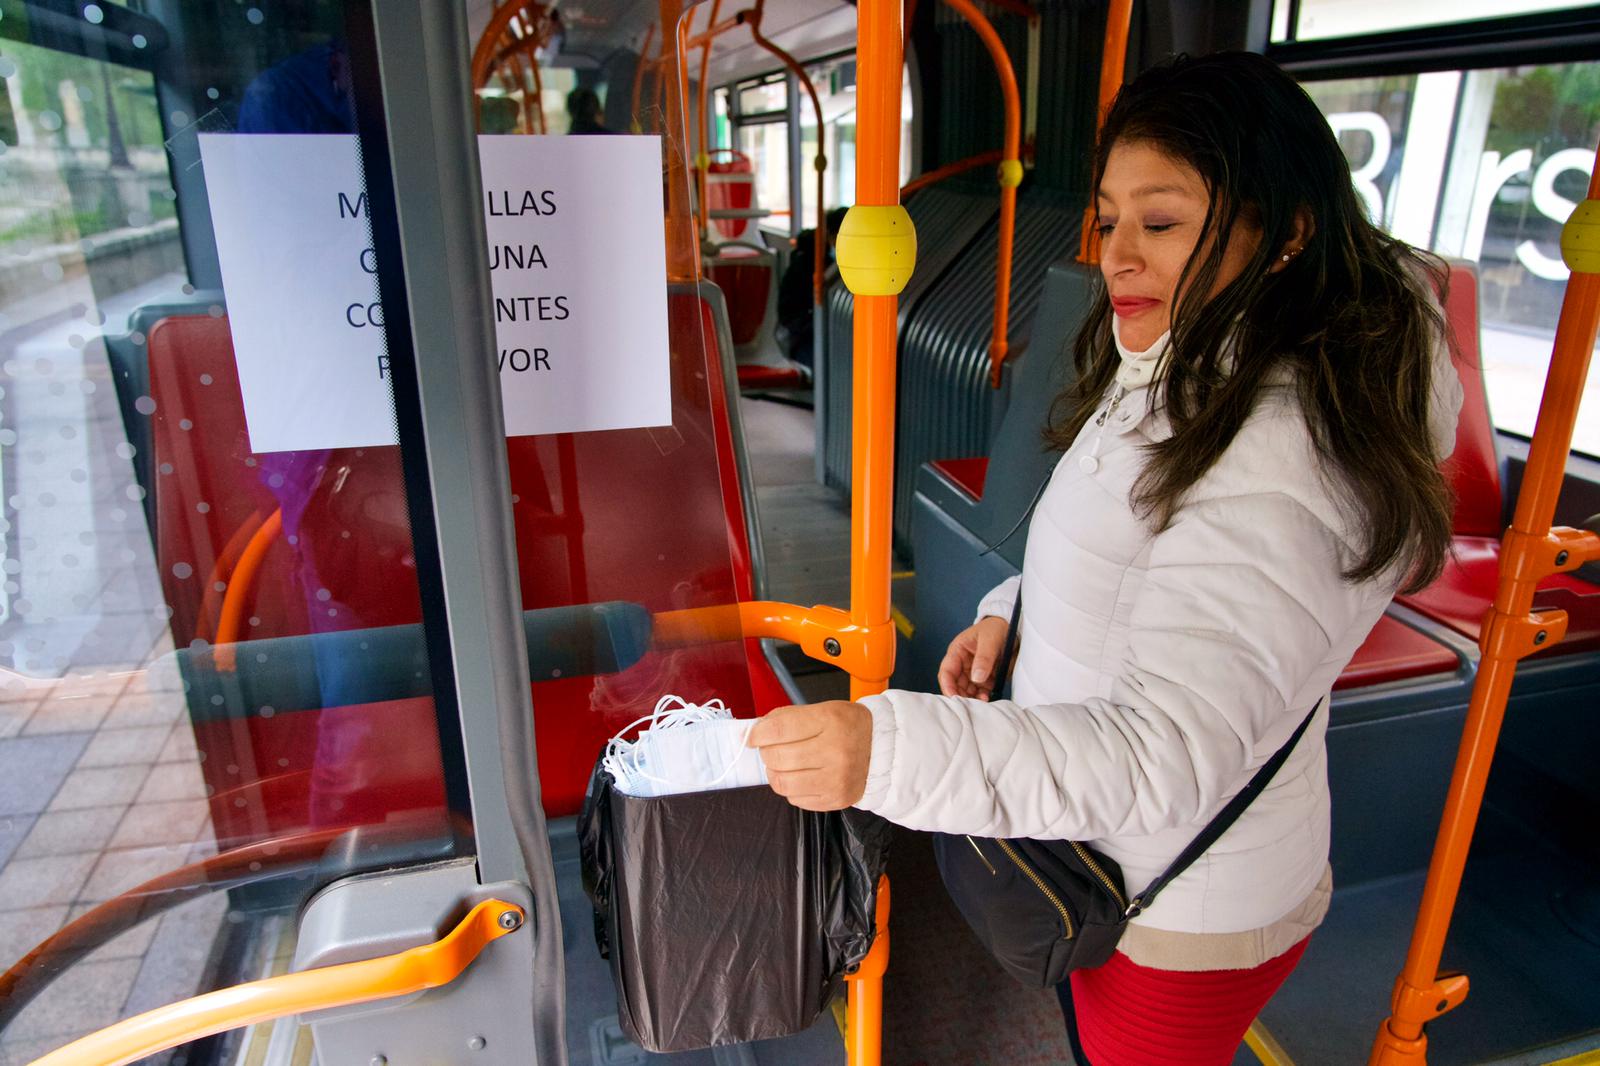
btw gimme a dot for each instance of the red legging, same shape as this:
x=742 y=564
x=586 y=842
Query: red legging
x=1132 y=1015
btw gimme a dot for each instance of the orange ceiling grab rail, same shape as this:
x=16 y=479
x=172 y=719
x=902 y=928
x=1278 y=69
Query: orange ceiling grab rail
x=1113 y=62
x=1010 y=175
x=400 y=974
x=950 y=170
x=483 y=53
x=1530 y=551
x=751 y=17
x=516 y=30
x=819 y=162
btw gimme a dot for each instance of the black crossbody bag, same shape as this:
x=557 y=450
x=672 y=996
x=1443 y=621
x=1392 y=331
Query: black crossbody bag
x=1044 y=908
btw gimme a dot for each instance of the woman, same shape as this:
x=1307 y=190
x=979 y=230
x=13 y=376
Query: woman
x=1250 y=473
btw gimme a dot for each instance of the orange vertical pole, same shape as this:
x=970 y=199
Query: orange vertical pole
x=683 y=260
x=880 y=255
x=1010 y=178
x=702 y=159
x=638 y=76
x=1530 y=551
x=681 y=57
x=1113 y=62
x=879 y=60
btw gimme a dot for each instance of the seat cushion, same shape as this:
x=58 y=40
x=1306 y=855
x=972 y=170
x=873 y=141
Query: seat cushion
x=1466 y=589
x=968 y=475
x=1393 y=651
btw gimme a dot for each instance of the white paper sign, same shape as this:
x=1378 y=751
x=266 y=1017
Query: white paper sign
x=577 y=254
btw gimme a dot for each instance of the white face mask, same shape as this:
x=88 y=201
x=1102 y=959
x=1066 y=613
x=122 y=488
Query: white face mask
x=685 y=748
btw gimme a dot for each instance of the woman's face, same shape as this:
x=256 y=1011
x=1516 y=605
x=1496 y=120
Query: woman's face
x=1152 y=213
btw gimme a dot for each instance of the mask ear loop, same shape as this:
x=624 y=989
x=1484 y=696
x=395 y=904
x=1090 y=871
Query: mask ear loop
x=624 y=755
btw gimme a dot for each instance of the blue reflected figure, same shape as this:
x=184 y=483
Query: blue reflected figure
x=310 y=92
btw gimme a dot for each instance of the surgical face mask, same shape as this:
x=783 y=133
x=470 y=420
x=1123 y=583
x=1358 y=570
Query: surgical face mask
x=684 y=748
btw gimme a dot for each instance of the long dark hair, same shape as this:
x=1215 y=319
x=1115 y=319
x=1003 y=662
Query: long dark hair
x=1350 y=314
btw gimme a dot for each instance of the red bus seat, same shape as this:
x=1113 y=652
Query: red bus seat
x=1393 y=651
x=967 y=475
x=747 y=286
x=577 y=498
x=1464 y=591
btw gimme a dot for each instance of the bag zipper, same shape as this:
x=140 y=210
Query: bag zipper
x=1038 y=882
x=1094 y=868
x=983 y=858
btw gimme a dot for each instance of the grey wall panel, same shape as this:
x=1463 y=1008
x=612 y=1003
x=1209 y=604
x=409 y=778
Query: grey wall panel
x=948 y=410
x=947 y=220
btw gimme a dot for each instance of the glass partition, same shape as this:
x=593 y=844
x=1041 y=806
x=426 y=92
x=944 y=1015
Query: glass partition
x=215 y=692
x=650 y=514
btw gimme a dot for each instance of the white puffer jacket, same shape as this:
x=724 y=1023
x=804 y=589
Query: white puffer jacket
x=1155 y=673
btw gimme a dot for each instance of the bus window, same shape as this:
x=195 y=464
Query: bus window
x=1322 y=19
x=1483 y=165
x=761 y=131
x=835 y=81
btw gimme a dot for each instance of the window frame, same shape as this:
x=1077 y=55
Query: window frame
x=1571 y=36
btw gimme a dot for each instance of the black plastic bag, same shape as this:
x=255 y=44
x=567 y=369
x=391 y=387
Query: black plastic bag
x=729 y=915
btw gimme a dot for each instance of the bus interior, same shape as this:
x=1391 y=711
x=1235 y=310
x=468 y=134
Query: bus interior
x=288 y=682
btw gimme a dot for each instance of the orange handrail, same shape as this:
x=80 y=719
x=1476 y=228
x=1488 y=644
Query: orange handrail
x=819 y=162
x=240 y=584
x=1113 y=62
x=253 y=862
x=221 y=570
x=1010 y=178
x=683 y=258
x=344 y=985
x=1531 y=551
x=950 y=170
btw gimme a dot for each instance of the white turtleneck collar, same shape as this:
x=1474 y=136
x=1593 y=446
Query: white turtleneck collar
x=1139 y=368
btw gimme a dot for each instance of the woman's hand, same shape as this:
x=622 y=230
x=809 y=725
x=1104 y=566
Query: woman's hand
x=816 y=754
x=968 y=667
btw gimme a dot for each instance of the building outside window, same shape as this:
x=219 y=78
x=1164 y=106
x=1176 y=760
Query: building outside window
x=1486 y=166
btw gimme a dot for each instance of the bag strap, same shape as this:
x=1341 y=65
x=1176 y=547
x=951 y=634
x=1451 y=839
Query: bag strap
x=1002 y=665
x=1224 y=819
